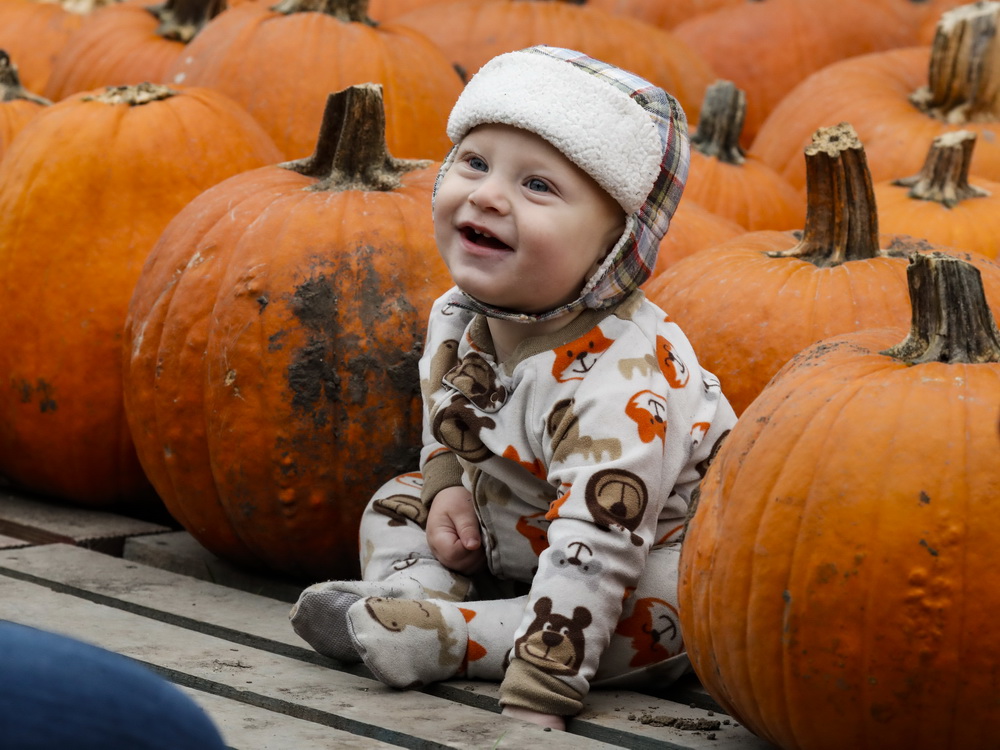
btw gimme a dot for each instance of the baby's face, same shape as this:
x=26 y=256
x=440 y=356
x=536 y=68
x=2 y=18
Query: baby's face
x=518 y=224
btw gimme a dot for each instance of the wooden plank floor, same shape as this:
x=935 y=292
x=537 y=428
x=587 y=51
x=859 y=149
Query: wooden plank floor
x=153 y=594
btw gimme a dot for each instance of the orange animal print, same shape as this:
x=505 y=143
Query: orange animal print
x=474 y=651
x=673 y=369
x=535 y=531
x=653 y=628
x=574 y=360
x=553 y=512
x=699 y=430
x=649 y=412
x=534 y=468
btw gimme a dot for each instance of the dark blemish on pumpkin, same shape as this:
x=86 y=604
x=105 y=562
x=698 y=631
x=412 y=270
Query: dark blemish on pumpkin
x=826 y=572
x=262 y=301
x=786 y=595
x=930 y=549
x=45 y=392
x=311 y=375
x=25 y=389
x=274 y=341
x=924 y=498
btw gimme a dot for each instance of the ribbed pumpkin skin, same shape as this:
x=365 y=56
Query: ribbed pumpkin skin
x=32 y=33
x=14 y=115
x=838 y=585
x=871 y=92
x=751 y=194
x=692 y=228
x=282 y=67
x=471 y=32
x=739 y=42
x=973 y=224
x=115 y=45
x=85 y=190
x=271 y=355
x=747 y=313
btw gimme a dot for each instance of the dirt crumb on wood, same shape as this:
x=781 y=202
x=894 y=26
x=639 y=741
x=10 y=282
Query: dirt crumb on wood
x=677 y=722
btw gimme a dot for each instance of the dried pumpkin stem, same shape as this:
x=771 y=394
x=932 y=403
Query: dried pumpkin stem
x=951 y=320
x=944 y=178
x=10 y=83
x=181 y=20
x=350 y=152
x=720 y=123
x=348 y=11
x=133 y=96
x=841 y=219
x=963 y=82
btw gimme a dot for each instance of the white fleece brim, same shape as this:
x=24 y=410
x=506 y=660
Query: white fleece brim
x=597 y=126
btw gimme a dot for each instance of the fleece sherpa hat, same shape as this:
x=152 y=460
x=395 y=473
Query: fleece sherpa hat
x=626 y=133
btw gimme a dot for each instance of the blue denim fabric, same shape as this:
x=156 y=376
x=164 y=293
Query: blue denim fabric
x=58 y=693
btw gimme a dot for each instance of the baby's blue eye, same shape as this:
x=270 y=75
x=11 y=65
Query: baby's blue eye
x=539 y=186
x=478 y=164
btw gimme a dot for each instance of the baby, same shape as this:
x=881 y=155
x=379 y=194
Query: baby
x=566 y=418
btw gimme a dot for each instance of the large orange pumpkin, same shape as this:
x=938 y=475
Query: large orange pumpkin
x=766 y=48
x=271 y=347
x=282 y=61
x=940 y=203
x=666 y=15
x=85 y=190
x=838 y=581
x=750 y=304
x=17 y=105
x=127 y=43
x=726 y=179
x=471 y=32
x=899 y=100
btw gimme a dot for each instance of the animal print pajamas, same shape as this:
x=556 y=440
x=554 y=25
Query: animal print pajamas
x=581 y=453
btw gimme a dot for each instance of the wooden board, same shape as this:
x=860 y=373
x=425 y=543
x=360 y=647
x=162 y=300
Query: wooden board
x=236 y=653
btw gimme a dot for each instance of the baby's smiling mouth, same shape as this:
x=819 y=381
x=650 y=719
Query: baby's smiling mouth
x=483 y=239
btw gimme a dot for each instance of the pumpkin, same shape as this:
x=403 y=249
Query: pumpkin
x=85 y=190
x=127 y=43
x=32 y=32
x=766 y=48
x=940 y=204
x=271 y=347
x=471 y=32
x=837 y=582
x=665 y=15
x=17 y=105
x=750 y=304
x=281 y=61
x=726 y=180
x=692 y=228
x=899 y=99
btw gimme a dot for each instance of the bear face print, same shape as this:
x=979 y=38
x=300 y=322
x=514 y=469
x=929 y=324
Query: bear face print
x=475 y=379
x=617 y=499
x=574 y=360
x=402 y=509
x=576 y=560
x=554 y=643
x=457 y=426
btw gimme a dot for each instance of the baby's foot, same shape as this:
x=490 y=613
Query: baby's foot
x=320 y=618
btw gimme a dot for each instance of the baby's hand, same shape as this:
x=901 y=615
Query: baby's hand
x=453 y=531
x=543 y=720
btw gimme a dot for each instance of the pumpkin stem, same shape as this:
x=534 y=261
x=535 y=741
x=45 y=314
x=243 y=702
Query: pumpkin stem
x=951 y=320
x=944 y=178
x=81 y=7
x=10 y=83
x=350 y=152
x=181 y=20
x=721 y=123
x=348 y=11
x=841 y=220
x=964 y=76
x=133 y=96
